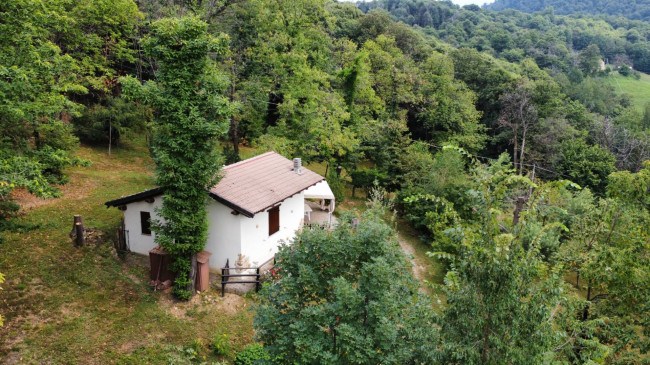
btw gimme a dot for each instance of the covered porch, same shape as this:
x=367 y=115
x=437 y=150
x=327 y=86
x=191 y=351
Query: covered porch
x=319 y=205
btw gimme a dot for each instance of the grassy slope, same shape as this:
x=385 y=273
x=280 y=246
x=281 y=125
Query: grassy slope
x=67 y=305
x=639 y=90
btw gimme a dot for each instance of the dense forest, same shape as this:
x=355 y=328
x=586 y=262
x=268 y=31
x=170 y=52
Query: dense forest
x=633 y=9
x=494 y=133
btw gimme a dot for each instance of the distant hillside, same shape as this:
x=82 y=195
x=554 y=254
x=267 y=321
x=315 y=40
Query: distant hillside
x=632 y=9
x=551 y=40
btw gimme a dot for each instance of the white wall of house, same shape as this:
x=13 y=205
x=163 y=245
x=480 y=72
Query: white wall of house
x=257 y=245
x=228 y=234
x=224 y=236
x=139 y=242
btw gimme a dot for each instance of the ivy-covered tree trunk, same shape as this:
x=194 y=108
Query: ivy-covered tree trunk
x=192 y=112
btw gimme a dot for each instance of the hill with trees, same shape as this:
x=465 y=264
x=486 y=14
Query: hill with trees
x=497 y=135
x=633 y=9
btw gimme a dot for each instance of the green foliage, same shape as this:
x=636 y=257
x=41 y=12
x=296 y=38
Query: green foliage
x=251 y=355
x=608 y=249
x=347 y=297
x=365 y=178
x=337 y=184
x=625 y=70
x=590 y=59
x=501 y=296
x=299 y=108
x=111 y=117
x=586 y=165
x=436 y=215
x=633 y=9
x=631 y=188
x=190 y=115
x=181 y=355
x=443 y=175
x=220 y=344
x=99 y=35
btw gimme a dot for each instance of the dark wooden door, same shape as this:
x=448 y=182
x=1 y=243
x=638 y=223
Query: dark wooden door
x=274 y=220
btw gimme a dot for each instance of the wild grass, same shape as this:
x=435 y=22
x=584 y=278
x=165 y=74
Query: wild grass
x=639 y=90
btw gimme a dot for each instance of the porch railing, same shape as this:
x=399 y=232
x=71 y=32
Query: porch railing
x=255 y=277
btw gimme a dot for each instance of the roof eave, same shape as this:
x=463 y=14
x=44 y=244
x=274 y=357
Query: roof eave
x=134 y=198
x=231 y=205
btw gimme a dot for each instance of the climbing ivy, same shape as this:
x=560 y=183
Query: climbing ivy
x=191 y=113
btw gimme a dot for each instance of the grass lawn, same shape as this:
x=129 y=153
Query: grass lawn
x=86 y=306
x=639 y=90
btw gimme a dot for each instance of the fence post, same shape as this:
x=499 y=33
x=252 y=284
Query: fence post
x=223 y=277
x=79 y=231
x=257 y=279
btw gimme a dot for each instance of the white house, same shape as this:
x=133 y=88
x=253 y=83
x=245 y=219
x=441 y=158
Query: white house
x=257 y=203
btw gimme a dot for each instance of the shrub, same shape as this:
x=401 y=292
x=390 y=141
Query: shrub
x=220 y=344
x=364 y=178
x=252 y=354
x=345 y=296
x=625 y=70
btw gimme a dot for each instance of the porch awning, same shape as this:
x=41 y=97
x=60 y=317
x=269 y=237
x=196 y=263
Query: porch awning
x=319 y=191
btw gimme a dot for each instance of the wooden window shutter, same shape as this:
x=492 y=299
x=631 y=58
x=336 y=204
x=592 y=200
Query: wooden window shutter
x=274 y=220
x=145 y=222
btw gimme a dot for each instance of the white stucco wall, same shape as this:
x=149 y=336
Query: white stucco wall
x=257 y=245
x=138 y=242
x=228 y=234
x=224 y=236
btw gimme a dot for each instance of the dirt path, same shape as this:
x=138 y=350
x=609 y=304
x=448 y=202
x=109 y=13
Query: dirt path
x=418 y=269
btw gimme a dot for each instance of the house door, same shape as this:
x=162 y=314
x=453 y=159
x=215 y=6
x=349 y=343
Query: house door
x=274 y=220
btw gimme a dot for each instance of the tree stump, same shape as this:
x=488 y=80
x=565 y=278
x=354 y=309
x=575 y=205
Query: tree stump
x=78 y=229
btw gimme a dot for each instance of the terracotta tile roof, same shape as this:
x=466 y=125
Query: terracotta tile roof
x=249 y=186
x=255 y=184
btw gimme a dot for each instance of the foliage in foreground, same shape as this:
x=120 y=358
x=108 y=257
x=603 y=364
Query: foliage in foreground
x=345 y=296
x=501 y=296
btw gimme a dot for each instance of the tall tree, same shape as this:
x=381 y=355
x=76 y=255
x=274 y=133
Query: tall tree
x=518 y=115
x=191 y=112
x=501 y=296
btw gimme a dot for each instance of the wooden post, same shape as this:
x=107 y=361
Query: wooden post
x=191 y=287
x=257 y=280
x=80 y=240
x=224 y=272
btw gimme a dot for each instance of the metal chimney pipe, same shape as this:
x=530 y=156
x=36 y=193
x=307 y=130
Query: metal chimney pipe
x=297 y=164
